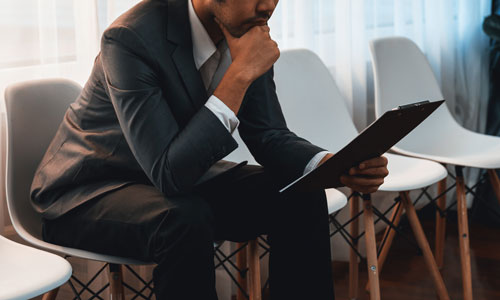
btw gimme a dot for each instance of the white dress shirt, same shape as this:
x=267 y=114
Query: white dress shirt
x=213 y=62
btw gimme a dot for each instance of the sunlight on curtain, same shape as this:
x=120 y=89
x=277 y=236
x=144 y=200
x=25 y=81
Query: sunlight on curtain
x=49 y=38
x=52 y=38
x=448 y=31
x=46 y=38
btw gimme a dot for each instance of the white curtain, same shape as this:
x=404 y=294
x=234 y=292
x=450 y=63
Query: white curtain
x=48 y=38
x=448 y=31
x=52 y=38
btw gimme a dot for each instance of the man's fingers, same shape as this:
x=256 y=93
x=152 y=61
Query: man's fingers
x=361 y=181
x=368 y=176
x=375 y=172
x=376 y=162
x=265 y=28
x=364 y=189
x=362 y=185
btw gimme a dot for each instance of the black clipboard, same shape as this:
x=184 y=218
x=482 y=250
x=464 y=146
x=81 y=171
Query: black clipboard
x=372 y=142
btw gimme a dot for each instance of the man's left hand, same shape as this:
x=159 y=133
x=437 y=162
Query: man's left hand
x=368 y=176
x=365 y=178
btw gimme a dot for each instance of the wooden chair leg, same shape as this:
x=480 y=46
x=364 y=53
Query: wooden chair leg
x=424 y=246
x=115 y=282
x=440 y=225
x=397 y=212
x=241 y=263
x=371 y=249
x=51 y=295
x=353 y=257
x=495 y=182
x=463 y=238
x=253 y=259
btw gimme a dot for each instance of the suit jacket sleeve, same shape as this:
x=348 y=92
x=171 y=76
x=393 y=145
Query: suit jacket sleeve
x=264 y=131
x=173 y=158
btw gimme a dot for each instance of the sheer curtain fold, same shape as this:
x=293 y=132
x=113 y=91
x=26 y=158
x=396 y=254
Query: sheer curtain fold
x=62 y=39
x=53 y=38
x=87 y=33
x=448 y=31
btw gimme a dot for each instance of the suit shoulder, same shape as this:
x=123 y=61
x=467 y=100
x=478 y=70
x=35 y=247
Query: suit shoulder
x=148 y=20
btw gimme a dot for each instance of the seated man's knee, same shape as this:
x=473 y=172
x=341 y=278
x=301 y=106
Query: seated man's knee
x=188 y=221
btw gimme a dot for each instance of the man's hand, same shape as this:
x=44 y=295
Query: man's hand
x=368 y=176
x=254 y=53
x=365 y=178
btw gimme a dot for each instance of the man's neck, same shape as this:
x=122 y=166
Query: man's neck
x=204 y=13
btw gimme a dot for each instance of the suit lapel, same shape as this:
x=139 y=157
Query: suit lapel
x=179 y=33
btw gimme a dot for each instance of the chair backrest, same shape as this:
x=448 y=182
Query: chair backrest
x=311 y=102
x=34 y=110
x=403 y=75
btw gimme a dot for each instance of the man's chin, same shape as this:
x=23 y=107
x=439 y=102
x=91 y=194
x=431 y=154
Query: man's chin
x=238 y=33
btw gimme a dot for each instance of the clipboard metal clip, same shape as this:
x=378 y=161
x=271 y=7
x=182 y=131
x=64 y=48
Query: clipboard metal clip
x=417 y=104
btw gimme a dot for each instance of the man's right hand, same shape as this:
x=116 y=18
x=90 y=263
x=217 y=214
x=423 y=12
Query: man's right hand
x=254 y=53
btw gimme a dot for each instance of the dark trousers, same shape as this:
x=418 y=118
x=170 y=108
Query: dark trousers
x=177 y=233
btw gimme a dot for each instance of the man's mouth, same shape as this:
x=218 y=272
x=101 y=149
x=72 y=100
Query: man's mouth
x=260 y=23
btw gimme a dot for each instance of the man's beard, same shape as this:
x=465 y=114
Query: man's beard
x=240 y=30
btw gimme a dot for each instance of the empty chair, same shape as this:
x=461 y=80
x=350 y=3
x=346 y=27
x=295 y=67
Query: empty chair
x=28 y=272
x=315 y=110
x=403 y=75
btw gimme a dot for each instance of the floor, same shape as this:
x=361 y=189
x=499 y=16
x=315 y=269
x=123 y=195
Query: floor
x=405 y=275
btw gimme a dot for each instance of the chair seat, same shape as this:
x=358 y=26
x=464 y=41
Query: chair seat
x=453 y=145
x=336 y=200
x=481 y=152
x=408 y=173
x=72 y=252
x=27 y=272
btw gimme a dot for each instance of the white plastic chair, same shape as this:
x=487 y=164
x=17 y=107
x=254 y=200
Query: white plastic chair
x=316 y=110
x=27 y=272
x=34 y=111
x=403 y=75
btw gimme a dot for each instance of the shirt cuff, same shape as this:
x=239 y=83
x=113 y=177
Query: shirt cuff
x=313 y=163
x=223 y=113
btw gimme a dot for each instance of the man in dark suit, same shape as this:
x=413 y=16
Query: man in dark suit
x=135 y=168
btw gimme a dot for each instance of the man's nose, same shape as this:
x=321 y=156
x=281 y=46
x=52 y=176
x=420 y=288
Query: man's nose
x=267 y=6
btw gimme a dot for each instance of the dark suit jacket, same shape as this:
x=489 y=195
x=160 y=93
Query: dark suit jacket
x=141 y=118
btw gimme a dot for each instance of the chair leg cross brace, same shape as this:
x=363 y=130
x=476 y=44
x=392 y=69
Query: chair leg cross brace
x=394 y=227
x=115 y=284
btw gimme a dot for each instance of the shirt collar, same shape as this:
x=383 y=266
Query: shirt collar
x=203 y=46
